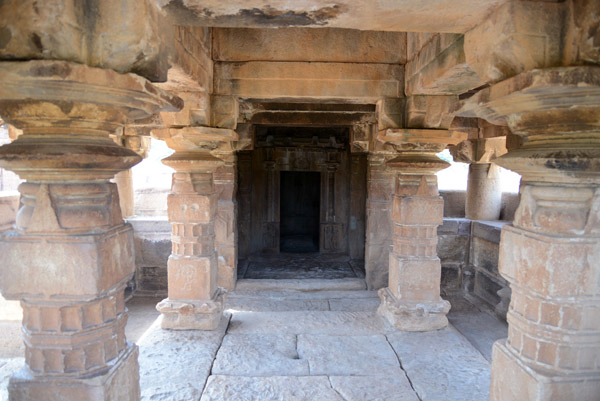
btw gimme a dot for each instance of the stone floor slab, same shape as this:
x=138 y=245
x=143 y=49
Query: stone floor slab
x=8 y=366
x=348 y=355
x=276 y=304
x=259 y=355
x=481 y=329
x=333 y=323
x=298 y=294
x=279 y=388
x=175 y=364
x=442 y=365
x=369 y=388
x=355 y=304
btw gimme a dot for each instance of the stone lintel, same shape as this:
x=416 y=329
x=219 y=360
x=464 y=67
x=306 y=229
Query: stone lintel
x=480 y=150
x=318 y=80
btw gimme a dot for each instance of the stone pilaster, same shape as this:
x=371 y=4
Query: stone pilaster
x=226 y=221
x=412 y=299
x=71 y=254
x=194 y=300
x=550 y=253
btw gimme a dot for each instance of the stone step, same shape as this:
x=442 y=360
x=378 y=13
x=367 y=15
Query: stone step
x=343 y=284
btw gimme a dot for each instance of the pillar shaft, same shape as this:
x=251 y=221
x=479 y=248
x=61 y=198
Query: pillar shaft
x=226 y=221
x=484 y=193
x=71 y=254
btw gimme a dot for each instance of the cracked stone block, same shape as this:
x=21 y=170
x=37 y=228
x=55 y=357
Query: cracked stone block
x=442 y=365
x=387 y=388
x=348 y=355
x=259 y=355
x=278 y=388
x=175 y=364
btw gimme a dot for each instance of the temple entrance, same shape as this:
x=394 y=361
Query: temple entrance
x=301 y=205
x=299 y=212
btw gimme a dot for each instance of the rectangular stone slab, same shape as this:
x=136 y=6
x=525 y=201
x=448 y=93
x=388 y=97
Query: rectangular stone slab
x=174 y=365
x=348 y=355
x=380 y=388
x=259 y=355
x=334 y=323
x=442 y=365
x=236 y=388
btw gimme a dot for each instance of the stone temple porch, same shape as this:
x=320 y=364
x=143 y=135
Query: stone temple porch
x=318 y=344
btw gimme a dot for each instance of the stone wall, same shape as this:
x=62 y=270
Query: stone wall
x=152 y=238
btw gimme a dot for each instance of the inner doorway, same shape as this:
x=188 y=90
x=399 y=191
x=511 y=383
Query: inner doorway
x=299 y=211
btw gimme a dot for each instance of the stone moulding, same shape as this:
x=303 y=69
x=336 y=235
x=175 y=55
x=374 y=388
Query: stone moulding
x=413 y=315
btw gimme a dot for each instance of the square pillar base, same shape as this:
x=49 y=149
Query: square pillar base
x=120 y=383
x=194 y=314
x=413 y=315
x=513 y=380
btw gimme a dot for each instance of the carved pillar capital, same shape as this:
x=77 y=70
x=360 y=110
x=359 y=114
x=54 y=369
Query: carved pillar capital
x=549 y=254
x=71 y=254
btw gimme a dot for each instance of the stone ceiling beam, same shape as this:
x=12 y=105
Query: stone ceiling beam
x=342 y=81
x=385 y=15
x=301 y=44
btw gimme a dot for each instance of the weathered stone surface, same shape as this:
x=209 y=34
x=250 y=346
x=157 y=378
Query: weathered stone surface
x=302 y=388
x=176 y=364
x=481 y=329
x=8 y=366
x=296 y=44
x=260 y=355
x=517 y=37
x=261 y=79
x=388 y=15
x=335 y=323
x=355 y=305
x=442 y=365
x=389 y=388
x=120 y=35
x=348 y=355
x=265 y=304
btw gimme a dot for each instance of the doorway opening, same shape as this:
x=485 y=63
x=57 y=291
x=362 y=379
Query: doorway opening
x=300 y=193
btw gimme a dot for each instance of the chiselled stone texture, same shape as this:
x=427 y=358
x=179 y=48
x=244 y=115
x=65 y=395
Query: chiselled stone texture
x=550 y=253
x=194 y=300
x=412 y=299
x=125 y=36
x=71 y=255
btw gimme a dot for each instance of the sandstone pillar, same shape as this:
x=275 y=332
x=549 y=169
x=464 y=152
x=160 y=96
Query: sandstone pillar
x=194 y=300
x=412 y=299
x=484 y=194
x=124 y=181
x=550 y=253
x=70 y=256
x=226 y=221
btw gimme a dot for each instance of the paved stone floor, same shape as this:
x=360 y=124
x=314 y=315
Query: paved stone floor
x=319 y=344
x=301 y=266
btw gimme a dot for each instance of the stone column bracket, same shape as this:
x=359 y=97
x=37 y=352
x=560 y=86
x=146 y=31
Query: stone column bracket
x=413 y=315
x=556 y=111
x=191 y=314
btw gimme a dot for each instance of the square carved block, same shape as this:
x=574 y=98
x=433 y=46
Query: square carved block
x=75 y=265
x=192 y=277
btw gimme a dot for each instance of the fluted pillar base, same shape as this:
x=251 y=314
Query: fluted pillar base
x=191 y=314
x=413 y=315
x=120 y=383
